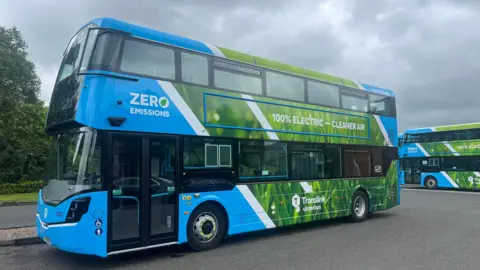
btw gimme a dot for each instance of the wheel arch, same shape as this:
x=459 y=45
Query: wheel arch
x=220 y=207
x=426 y=176
x=364 y=190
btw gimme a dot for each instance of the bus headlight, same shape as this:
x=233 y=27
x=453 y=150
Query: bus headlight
x=78 y=208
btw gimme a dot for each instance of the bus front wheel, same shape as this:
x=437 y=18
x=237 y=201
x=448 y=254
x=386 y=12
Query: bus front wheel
x=206 y=227
x=431 y=182
x=359 y=206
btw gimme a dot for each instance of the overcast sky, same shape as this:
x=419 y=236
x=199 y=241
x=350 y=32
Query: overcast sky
x=426 y=51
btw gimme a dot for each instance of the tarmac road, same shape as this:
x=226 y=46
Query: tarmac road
x=430 y=230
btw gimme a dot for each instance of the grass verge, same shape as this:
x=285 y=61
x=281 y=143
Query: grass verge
x=19 y=197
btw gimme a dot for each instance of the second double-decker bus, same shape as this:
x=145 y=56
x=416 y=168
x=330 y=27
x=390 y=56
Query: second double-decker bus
x=442 y=157
x=163 y=140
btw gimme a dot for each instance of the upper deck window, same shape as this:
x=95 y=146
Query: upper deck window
x=107 y=51
x=452 y=135
x=285 y=86
x=72 y=57
x=161 y=61
x=465 y=135
x=238 y=78
x=380 y=104
x=148 y=59
x=412 y=138
x=323 y=94
x=90 y=43
x=194 y=68
x=355 y=101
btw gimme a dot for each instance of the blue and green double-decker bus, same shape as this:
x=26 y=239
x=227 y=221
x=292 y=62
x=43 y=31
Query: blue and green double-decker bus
x=163 y=140
x=442 y=157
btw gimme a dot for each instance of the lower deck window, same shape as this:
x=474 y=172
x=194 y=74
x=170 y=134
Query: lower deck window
x=357 y=163
x=258 y=160
x=308 y=164
x=313 y=161
x=206 y=153
x=264 y=160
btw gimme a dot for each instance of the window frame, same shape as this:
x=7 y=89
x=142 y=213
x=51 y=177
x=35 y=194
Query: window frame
x=153 y=43
x=291 y=147
x=388 y=105
x=230 y=165
x=212 y=69
x=355 y=94
x=262 y=178
x=226 y=62
x=320 y=149
x=179 y=67
x=433 y=162
x=362 y=149
x=442 y=136
x=307 y=93
x=302 y=79
x=78 y=69
x=234 y=90
x=207 y=145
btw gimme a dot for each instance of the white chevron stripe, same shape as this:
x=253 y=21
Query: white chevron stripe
x=260 y=117
x=215 y=50
x=183 y=108
x=306 y=187
x=360 y=86
x=423 y=150
x=384 y=131
x=477 y=174
x=450 y=147
x=253 y=202
x=449 y=179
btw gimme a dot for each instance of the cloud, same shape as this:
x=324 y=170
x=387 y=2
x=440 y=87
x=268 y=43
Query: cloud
x=423 y=50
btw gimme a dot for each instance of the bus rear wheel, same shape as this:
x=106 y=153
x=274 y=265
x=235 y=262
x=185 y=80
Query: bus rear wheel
x=359 y=206
x=206 y=227
x=431 y=182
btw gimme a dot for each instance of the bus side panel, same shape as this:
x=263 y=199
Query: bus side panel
x=145 y=105
x=443 y=179
x=467 y=180
x=88 y=236
x=252 y=207
x=411 y=150
x=239 y=207
x=452 y=179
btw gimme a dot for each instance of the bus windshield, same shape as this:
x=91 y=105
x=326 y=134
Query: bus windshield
x=76 y=165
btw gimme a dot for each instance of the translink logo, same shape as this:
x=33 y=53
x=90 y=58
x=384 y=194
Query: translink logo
x=309 y=204
x=296 y=202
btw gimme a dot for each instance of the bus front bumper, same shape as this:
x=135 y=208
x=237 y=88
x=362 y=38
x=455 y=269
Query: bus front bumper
x=82 y=237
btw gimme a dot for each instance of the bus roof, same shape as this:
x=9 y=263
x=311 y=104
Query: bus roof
x=191 y=44
x=443 y=128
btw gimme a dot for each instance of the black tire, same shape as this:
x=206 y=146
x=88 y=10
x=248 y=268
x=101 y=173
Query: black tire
x=204 y=237
x=431 y=182
x=359 y=206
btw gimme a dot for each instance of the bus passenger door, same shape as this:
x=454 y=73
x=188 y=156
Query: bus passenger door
x=162 y=191
x=143 y=192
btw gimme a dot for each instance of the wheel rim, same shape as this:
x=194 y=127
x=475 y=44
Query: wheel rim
x=205 y=227
x=359 y=206
x=431 y=183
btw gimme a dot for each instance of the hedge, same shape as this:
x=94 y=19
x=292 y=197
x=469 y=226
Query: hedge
x=24 y=187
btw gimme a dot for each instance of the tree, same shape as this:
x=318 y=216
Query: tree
x=24 y=145
x=19 y=83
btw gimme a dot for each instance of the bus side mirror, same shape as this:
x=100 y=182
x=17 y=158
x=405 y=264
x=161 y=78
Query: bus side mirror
x=116 y=121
